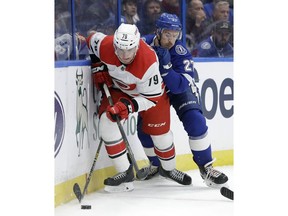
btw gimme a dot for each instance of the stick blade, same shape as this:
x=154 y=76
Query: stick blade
x=77 y=192
x=143 y=173
x=226 y=192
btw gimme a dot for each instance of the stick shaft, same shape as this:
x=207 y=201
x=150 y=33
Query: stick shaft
x=91 y=170
x=130 y=152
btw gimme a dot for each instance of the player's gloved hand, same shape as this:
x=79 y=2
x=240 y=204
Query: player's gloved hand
x=100 y=76
x=164 y=59
x=122 y=108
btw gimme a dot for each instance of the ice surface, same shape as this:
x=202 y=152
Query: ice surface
x=157 y=196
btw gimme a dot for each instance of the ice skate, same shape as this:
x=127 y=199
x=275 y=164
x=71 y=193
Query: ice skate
x=212 y=177
x=176 y=175
x=120 y=182
x=153 y=171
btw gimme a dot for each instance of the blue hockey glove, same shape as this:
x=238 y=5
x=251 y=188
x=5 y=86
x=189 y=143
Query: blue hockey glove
x=164 y=59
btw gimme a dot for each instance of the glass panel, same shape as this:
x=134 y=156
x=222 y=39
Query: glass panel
x=96 y=15
x=204 y=36
x=149 y=11
x=89 y=16
x=63 y=38
x=99 y=15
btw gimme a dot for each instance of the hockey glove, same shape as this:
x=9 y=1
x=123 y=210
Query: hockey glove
x=122 y=108
x=100 y=76
x=164 y=59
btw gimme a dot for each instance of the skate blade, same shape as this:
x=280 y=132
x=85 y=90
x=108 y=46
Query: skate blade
x=172 y=180
x=217 y=186
x=124 y=187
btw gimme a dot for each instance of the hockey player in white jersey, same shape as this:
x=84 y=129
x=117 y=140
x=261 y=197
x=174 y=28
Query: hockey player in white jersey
x=130 y=68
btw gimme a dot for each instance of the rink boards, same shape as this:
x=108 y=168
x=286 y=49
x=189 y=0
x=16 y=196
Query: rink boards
x=76 y=124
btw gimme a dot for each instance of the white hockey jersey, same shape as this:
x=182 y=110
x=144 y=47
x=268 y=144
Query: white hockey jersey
x=140 y=79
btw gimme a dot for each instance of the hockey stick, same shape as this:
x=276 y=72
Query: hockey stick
x=76 y=187
x=140 y=174
x=226 y=192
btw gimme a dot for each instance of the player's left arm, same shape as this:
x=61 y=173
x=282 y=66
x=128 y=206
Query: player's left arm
x=150 y=88
x=177 y=73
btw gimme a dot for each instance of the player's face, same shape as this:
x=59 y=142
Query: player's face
x=126 y=56
x=168 y=38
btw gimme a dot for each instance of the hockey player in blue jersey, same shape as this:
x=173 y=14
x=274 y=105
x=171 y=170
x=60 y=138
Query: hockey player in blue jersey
x=177 y=71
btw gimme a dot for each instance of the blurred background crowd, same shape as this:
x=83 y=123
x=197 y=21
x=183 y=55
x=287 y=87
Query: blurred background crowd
x=205 y=23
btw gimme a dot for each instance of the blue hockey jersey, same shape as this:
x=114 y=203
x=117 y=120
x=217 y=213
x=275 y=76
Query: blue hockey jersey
x=179 y=79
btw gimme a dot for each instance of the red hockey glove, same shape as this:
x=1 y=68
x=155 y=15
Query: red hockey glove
x=122 y=108
x=100 y=76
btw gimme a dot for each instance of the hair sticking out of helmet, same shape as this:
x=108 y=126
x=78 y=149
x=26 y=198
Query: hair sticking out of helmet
x=126 y=37
x=169 y=22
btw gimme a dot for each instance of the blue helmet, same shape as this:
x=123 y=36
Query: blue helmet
x=169 y=21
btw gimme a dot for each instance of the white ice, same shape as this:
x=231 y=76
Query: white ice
x=157 y=196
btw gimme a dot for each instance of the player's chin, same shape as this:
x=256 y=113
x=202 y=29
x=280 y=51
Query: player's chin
x=126 y=61
x=167 y=46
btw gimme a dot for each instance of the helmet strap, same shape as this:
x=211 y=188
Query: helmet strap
x=159 y=35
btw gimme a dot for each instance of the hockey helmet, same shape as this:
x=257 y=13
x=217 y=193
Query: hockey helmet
x=169 y=22
x=126 y=37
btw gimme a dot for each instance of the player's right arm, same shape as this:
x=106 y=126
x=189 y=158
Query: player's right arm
x=99 y=70
x=93 y=43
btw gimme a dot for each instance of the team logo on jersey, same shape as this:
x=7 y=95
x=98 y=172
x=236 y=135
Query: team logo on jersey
x=180 y=50
x=206 y=45
x=125 y=86
x=59 y=118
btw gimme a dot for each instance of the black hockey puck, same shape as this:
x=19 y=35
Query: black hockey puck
x=85 y=206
